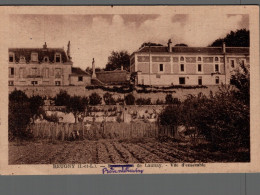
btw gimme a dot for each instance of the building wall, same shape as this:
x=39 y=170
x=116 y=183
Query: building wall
x=44 y=74
x=74 y=80
x=171 y=68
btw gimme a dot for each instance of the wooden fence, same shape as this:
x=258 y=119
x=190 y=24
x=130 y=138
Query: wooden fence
x=108 y=130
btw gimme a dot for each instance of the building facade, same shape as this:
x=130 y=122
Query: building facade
x=180 y=65
x=44 y=67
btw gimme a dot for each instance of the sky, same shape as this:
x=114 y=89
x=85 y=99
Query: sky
x=96 y=36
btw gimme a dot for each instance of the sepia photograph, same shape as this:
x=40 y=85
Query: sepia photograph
x=150 y=88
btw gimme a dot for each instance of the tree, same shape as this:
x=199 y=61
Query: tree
x=108 y=99
x=182 y=44
x=150 y=44
x=62 y=98
x=76 y=106
x=35 y=104
x=95 y=99
x=19 y=115
x=241 y=80
x=130 y=99
x=239 y=38
x=118 y=59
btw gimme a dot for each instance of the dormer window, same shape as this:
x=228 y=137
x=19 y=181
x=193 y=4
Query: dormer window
x=46 y=59
x=58 y=57
x=199 y=59
x=34 y=57
x=216 y=59
x=11 y=57
x=22 y=59
x=182 y=59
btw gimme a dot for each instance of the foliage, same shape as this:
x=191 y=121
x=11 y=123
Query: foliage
x=241 y=80
x=150 y=44
x=159 y=102
x=52 y=118
x=108 y=99
x=143 y=101
x=18 y=96
x=130 y=99
x=170 y=116
x=182 y=44
x=62 y=98
x=19 y=115
x=36 y=102
x=76 y=105
x=95 y=99
x=239 y=38
x=118 y=59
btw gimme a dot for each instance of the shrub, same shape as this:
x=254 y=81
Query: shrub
x=143 y=101
x=108 y=99
x=95 y=99
x=62 y=98
x=159 y=102
x=130 y=99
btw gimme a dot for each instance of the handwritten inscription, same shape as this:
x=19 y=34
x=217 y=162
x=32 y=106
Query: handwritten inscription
x=117 y=169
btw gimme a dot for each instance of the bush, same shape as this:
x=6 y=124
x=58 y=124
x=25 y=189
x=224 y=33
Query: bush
x=108 y=99
x=95 y=99
x=143 y=101
x=62 y=98
x=130 y=99
x=19 y=115
x=170 y=100
x=159 y=102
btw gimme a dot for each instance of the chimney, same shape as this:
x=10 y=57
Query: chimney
x=44 y=46
x=93 y=69
x=224 y=47
x=68 y=50
x=122 y=67
x=169 y=45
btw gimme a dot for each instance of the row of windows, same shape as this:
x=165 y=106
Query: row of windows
x=182 y=80
x=34 y=58
x=57 y=83
x=199 y=59
x=182 y=68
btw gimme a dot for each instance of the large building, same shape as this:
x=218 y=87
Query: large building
x=44 y=67
x=180 y=65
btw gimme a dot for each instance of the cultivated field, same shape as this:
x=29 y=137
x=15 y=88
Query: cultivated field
x=146 y=150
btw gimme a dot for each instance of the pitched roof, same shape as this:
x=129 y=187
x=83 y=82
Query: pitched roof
x=42 y=52
x=202 y=50
x=78 y=72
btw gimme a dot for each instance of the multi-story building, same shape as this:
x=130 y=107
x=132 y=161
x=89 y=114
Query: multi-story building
x=180 y=65
x=44 y=67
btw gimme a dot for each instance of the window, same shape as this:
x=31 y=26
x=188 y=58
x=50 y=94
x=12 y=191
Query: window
x=80 y=78
x=11 y=57
x=161 y=67
x=217 y=79
x=57 y=58
x=34 y=82
x=182 y=80
x=243 y=62
x=182 y=67
x=34 y=71
x=200 y=81
x=216 y=59
x=46 y=59
x=182 y=58
x=216 y=68
x=46 y=72
x=34 y=57
x=57 y=72
x=199 y=68
x=232 y=63
x=22 y=59
x=10 y=83
x=199 y=59
x=21 y=72
x=11 y=71
x=57 y=83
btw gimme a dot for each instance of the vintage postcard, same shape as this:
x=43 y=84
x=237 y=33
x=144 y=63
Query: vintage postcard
x=129 y=89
